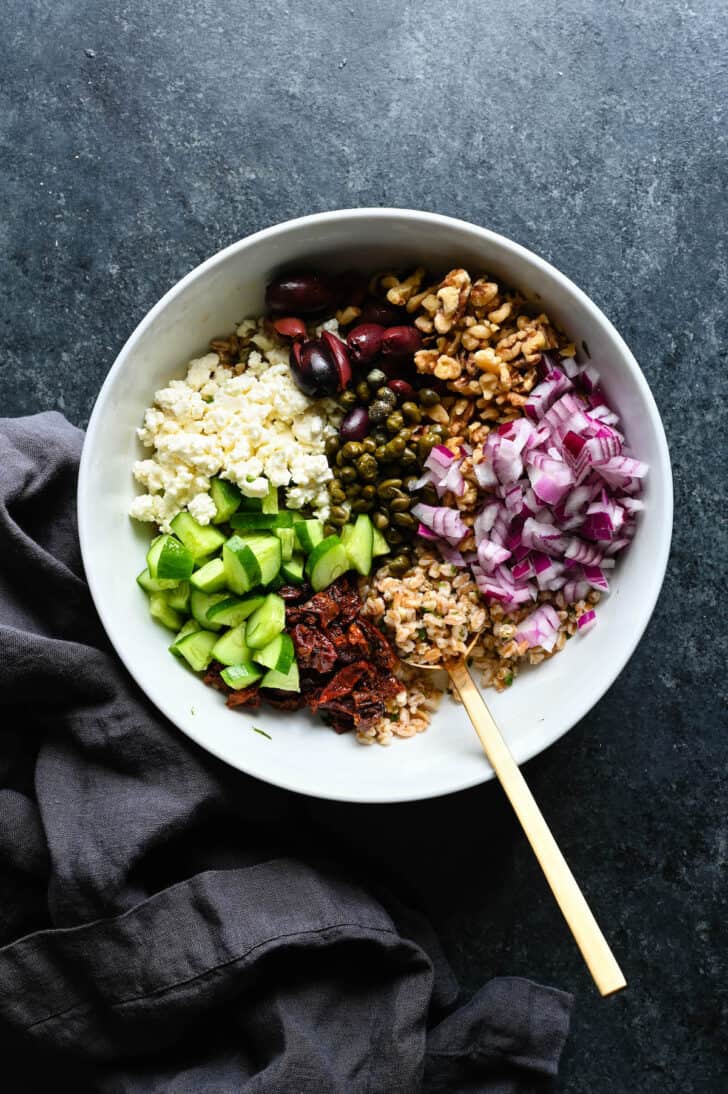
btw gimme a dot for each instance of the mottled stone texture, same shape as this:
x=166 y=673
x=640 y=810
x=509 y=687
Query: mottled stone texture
x=137 y=139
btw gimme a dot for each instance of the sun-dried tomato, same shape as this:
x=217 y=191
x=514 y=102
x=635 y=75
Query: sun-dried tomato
x=380 y=650
x=245 y=697
x=295 y=594
x=343 y=682
x=313 y=649
x=213 y=679
x=283 y=700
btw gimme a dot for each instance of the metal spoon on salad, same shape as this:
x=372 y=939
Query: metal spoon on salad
x=595 y=950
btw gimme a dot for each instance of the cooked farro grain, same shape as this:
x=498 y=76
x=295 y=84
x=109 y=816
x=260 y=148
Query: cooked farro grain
x=434 y=610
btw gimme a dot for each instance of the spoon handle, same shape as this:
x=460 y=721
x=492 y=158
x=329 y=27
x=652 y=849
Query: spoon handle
x=584 y=927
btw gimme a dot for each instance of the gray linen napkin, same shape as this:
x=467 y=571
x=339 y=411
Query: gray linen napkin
x=156 y=932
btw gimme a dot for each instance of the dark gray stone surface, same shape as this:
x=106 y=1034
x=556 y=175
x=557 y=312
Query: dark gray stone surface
x=137 y=139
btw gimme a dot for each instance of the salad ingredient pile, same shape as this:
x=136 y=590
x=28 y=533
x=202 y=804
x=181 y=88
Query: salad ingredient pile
x=425 y=456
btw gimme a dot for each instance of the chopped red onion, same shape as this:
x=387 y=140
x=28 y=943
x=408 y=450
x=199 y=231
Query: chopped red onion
x=586 y=620
x=559 y=524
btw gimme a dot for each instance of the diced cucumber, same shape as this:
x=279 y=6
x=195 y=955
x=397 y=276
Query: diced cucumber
x=327 y=561
x=283 y=681
x=179 y=598
x=270 y=501
x=308 y=533
x=250 y=505
x=261 y=522
x=200 y=604
x=210 y=578
x=293 y=569
x=197 y=649
x=266 y=622
x=200 y=540
x=288 y=541
x=278 y=654
x=226 y=497
x=232 y=649
x=242 y=570
x=359 y=542
x=167 y=559
x=267 y=551
x=251 y=560
x=189 y=628
x=154 y=585
x=231 y=611
x=242 y=676
x=379 y=544
x=163 y=613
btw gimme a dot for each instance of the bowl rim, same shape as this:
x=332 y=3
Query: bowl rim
x=424 y=217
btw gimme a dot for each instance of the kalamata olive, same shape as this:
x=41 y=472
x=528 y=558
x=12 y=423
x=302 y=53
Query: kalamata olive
x=377 y=311
x=351 y=288
x=364 y=342
x=314 y=369
x=401 y=341
x=301 y=293
x=355 y=425
x=290 y=327
x=402 y=389
x=341 y=357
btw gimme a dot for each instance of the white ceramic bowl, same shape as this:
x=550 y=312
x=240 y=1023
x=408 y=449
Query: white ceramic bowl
x=303 y=754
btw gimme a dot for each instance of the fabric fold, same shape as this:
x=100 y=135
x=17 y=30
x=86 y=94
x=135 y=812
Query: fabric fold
x=166 y=925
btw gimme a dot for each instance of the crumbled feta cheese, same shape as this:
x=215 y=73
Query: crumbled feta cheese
x=202 y=508
x=255 y=428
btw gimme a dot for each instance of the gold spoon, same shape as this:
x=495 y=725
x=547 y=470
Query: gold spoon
x=593 y=945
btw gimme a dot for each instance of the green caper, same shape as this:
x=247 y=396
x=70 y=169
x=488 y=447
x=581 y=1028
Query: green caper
x=408 y=457
x=386 y=395
x=378 y=411
x=429 y=495
x=437 y=429
x=330 y=529
x=379 y=437
x=347 y=399
x=361 y=505
x=405 y=433
x=394 y=448
x=410 y=482
x=380 y=520
x=376 y=377
x=369 y=491
x=352 y=450
x=389 y=488
x=337 y=492
x=381 y=452
x=428 y=397
x=339 y=515
x=425 y=444
x=363 y=391
x=404 y=520
x=353 y=490
x=348 y=474
x=332 y=446
x=367 y=467
x=395 y=422
x=339 y=459
x=400 y=505
x=393 y=536
x=411 y=412
x=369 y=445
x=398 y=566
